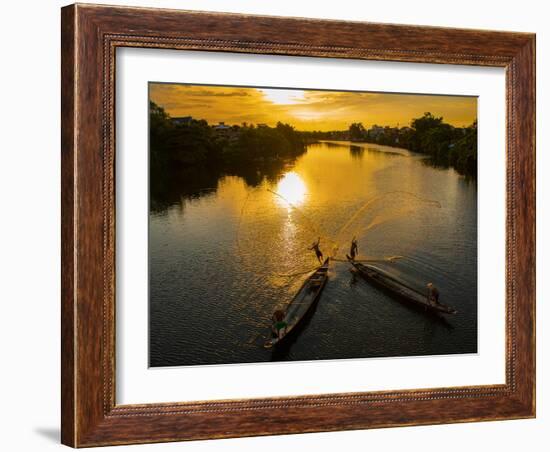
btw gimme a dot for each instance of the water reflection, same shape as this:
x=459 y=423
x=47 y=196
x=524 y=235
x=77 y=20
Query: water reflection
x=291 y=190
x=356 y=151
x=226 y=250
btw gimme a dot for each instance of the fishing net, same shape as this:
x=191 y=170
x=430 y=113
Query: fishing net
x=275 y=236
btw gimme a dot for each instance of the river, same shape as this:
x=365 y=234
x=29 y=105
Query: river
x=223 y=259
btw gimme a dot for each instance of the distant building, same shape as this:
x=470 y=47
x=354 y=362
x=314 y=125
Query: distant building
x=222 y=129
x=221 y=126
x=262 y=126
x=376 y=131
x=183 y=120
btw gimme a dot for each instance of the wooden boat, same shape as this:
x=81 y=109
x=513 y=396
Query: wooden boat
x=398 y=289
x=302 y=303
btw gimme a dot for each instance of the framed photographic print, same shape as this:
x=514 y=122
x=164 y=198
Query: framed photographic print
x=282 y=225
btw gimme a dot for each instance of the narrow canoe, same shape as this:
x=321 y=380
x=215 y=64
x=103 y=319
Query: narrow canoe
x=396 y=288
x=302 y=303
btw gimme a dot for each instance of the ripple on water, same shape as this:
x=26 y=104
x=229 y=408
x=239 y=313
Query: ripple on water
x=218 y=269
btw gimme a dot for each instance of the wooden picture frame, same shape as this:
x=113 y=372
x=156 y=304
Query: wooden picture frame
x=90 y=36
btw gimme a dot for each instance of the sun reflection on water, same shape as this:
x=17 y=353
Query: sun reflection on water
x=291 y=190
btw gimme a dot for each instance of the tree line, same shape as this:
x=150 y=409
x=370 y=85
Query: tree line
x=445 y=144
x=196 y=143
x=258 y=151
x=200 y=153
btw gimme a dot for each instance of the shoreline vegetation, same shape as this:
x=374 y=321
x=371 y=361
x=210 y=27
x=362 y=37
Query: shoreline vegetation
x=445 y=145
x=201 y=153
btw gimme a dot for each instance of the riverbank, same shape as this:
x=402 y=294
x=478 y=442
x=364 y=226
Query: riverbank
x=200 y=153
x=446 y=145
x=370 y=146
x=463 y=161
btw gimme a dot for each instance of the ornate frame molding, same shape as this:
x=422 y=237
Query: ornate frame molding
x=90 y=37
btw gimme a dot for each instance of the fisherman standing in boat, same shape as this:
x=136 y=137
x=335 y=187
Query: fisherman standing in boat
x=354 y=250
x=318 y=252
x=433 y=294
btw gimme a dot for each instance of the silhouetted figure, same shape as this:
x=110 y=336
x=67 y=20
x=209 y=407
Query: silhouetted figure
x=433 y=293
x=354 y=250
x=318 y=252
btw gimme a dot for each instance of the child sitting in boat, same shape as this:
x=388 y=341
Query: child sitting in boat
x=433 y=294
x=279 y=325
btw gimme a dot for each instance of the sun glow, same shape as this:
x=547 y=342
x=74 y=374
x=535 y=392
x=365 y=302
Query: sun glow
x=308 y=115
x=291 y=190
x=283 y=96
x=307 y=110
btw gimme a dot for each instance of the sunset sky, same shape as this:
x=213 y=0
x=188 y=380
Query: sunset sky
x=307 y=109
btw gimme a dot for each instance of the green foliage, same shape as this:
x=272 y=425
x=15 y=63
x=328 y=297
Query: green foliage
x=192 y=148
x=446 y=145
x=357 y=132
x=464 y=152
x=261 y=144
x=195 y=143
x=257 y=151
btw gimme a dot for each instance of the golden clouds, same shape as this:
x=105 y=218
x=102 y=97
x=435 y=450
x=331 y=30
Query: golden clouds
x=283 y=96
x=307 y=109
